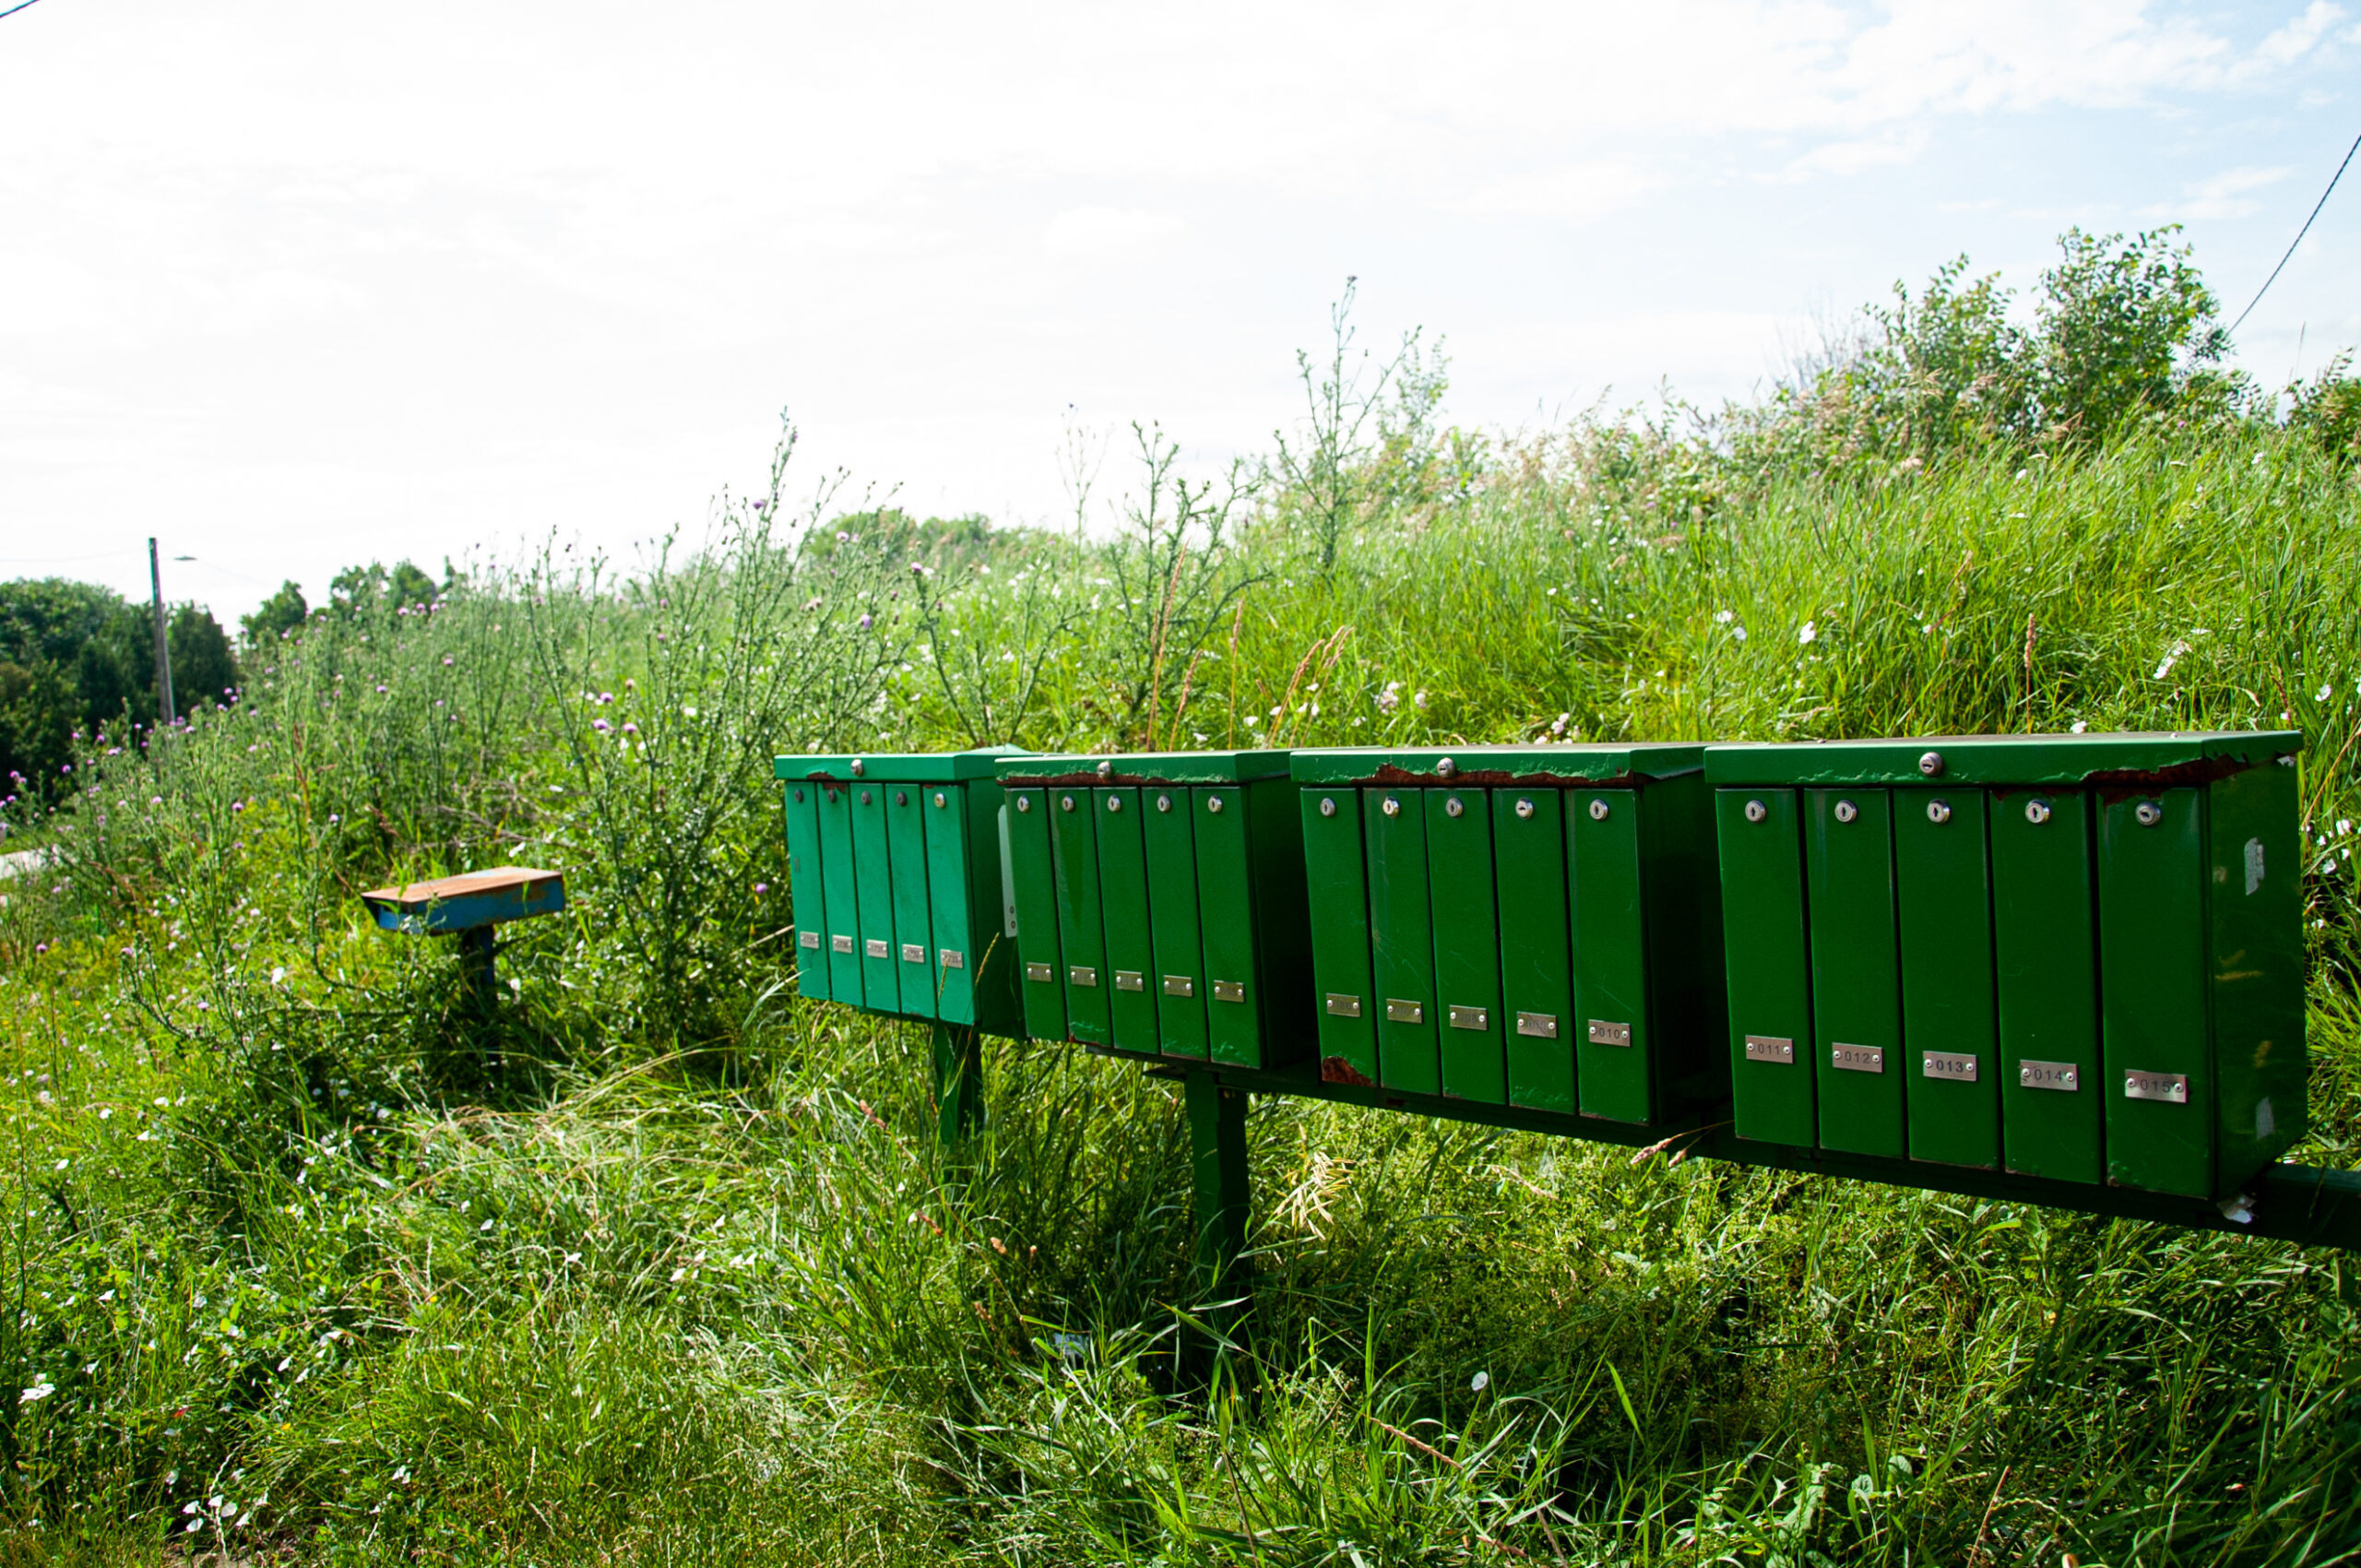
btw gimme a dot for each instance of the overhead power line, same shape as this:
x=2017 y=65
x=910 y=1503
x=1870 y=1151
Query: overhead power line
x=2298 y=240
x=19 y=5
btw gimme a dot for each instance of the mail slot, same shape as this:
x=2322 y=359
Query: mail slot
x=1131 y=953
x=800 y=813
x=899 y=885
x=1535 y=923
x=2082 y=953
x=1227 y=957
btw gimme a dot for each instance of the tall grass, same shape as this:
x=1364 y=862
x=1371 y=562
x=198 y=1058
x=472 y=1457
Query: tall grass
x=665 y=1264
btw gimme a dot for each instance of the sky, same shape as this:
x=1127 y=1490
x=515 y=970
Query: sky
x=291 y=287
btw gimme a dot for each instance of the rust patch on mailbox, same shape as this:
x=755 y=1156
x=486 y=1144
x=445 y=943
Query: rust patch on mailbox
x=1336 y=1069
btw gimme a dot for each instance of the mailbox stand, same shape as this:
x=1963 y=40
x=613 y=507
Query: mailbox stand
x=469 y=906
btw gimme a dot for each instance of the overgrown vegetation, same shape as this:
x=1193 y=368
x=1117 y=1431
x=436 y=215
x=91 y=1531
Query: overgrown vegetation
x=663 y=1263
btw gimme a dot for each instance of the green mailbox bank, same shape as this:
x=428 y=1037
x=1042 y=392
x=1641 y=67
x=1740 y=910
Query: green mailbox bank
x=902 y=897
x=2070 y=956
x=1524 y=926
x=1159 y=904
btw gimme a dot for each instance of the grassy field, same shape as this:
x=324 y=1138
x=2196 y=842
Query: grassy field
x=666 y=1267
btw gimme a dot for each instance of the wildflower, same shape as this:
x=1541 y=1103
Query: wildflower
x=41 y=1389
x=2172 y=656
x=867 y=621
x=1418 y=701
x=1558 y=725
x=761 y=888
x=631 y=728
x=1810 y=632
x=2321 y=696
x=2343 y=826
x=2078 y=726
x=600 y=725
x=1724 y=617
x=1480 y=1383
x=446 y=661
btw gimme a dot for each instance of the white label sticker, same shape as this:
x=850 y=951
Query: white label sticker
x=2254 y=865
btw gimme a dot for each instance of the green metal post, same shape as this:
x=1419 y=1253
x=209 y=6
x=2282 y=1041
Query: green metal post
x=476 y=947
x=958 y=1082
x=1217 y=1157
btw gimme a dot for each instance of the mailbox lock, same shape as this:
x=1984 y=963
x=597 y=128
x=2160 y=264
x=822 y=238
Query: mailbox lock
x=2036 y=812
x=1846 y=811
x=1327 y=806
x=1024 y=803
x=1114 y=803
x=1598 y=811
x=1065 y=802
x=1525 y=808
x=938 y=797
x=1445 y=768
x=901 y=796
x=1931 y=765
x=1939 y=811
x=1452 y=807
x=859 y=767
x=1164 y=803
x=1213 y=803
x=799 y=795
x=1392 y=806
x=1756 y=811
x=864 y=797
x=2149 y=812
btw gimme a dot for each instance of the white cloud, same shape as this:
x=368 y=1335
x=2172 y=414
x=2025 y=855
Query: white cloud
x=2219 y=195
x=1584 y=191
x=2292 y=42
x=1109 y=234
x=1841 y=158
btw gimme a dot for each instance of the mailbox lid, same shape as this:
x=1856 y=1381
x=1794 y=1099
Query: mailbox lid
x=2046 y=976
x=800 y=811
x=1614 y=1037
x=2256 y=916
x=1538 y=1013
x=1471 y=767
x=1081 y=920
x=1219 y=822
x=913 y=915
x=1144 y=767
x=1467 y=945
x=1951 y=1034
x=880 y=972
x=1856 y=970
x=1338 y=876
x=952 y=958
x=841 y=879
x=2155 y=1040
x=1759 y=833
x=1123 y=889
x=923 y=767
x=1175 y=922
x=1041 y=985
x=1402 y=942
x=1965 y=760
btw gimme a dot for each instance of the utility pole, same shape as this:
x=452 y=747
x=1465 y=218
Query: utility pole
x=163 y=653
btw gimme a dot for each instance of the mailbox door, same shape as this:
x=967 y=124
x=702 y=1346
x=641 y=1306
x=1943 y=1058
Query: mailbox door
x=1081 y=920
x=1338 y=877
x=1765 y=952
x=1282 y=923
x=1402 y=945
x=842 y=880
x=1174 y=922
x=1131 y=956
x=1031 y=875
x=1225 y=905
x=803 y=882
x=2045 y=962
x=1613 y=1041
x=943 y=813
x=1943 y=895
x=1467 y=945
x=2155 y=1049
x=1856 y=970
x=1537 y=1015
x=913 y=919
x=992 y=904
x=881 y=978
x=2255 y=851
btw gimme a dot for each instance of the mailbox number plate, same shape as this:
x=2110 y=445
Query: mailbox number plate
x=1229 y=990
x=1604 y=1033
x=1180 y=985
x=1044 y=973
x=1401 y=1011
x=2064 y=1077
x=912 y=953
x=1540 y=1025
x=1958 y=1067
x=841 y=943
x=1771 y=1047
x=1082 y=974
x=1469 y=1017
x=2170 y=1087
x=878 y=947
x=808 y=939
x=1344 y=1006
x=953 y=958
x=1857 y=1058
x=1129 y=980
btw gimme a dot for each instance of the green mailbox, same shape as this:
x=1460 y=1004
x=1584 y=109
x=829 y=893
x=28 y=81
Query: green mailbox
x=1531 y=926
x=1161 y=903
x=901 y=895
x=2072 y=956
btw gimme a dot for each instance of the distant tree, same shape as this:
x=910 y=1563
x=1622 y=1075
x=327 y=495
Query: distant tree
x=282 y=612
x=103 y=642
x=2123 y=329
x=361 y=589
x=203 y=670
x=37 y=710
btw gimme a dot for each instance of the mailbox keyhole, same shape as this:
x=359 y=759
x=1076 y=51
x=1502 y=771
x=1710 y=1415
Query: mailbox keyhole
x=1327 y=807
x=1598 y=811
x=1756 y=811
x=1846 y=811
x=1525 y=808
x=1164 y=803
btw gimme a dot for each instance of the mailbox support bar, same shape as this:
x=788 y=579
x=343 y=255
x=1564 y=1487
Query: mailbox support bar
x=1217 y=1160
x=958 y=1082
x=2307 y=1205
